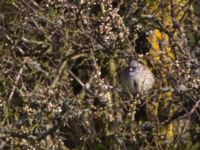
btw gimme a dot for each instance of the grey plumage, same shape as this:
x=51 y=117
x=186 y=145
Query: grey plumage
x=137 y=78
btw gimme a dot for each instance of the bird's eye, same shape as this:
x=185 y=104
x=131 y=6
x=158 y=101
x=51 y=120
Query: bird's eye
x=131 y=69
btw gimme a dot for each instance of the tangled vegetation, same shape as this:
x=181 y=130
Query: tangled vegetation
x=59 y=67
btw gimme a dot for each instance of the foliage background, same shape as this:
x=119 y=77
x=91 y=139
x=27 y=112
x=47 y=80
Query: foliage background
x=60 y=61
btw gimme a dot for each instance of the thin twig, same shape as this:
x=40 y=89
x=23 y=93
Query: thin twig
x=60 y=70
x=76 y=78
x=14 y=87
x=188 y=115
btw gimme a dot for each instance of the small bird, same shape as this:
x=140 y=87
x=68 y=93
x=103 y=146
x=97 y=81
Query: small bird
x=137 y=78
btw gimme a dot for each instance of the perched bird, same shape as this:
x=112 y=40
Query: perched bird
x=137 y=78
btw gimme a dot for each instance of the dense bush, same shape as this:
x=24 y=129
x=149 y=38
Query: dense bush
x=60 y=61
